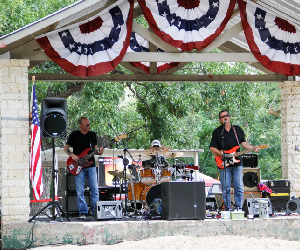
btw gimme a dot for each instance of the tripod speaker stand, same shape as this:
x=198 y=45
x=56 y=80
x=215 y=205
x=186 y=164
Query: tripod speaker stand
x=54 y=204
x=53 y=124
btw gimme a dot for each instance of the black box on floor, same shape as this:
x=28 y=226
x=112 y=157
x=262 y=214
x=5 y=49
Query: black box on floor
x=281 y=193
x=279 y=186
x=183 y=200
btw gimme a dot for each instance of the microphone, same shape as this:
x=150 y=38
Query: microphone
x=109 y=124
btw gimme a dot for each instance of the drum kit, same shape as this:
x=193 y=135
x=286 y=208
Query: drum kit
x=152 y=169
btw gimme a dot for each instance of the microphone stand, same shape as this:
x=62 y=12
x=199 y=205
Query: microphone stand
x=222 y=134
x=125 y=163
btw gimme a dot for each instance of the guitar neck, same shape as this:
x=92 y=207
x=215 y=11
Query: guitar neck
x=244 y=152
x=89 y=155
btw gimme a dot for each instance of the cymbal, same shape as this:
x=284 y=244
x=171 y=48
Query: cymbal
x=120 y=174
x=153 y=151
x=173 y=154
x=141 y=156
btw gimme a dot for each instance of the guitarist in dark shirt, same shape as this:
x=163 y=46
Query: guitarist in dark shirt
x=81 y=140
x=231 y=167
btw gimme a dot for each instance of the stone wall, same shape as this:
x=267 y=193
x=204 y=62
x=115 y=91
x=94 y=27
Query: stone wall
x=290 y=133
x=14 y=140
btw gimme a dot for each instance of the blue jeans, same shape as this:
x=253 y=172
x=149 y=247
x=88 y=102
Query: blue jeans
x=236 y=175
x=91 y=175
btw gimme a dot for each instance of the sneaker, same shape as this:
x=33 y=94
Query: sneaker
x=82 y=217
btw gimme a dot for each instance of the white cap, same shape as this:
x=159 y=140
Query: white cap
x=156 y=143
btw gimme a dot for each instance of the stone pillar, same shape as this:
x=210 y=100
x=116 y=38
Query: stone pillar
x=14 y=141
x=290 y=133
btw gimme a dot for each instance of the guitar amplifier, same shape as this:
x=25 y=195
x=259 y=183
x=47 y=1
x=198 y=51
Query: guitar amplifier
x=251 y=178
x=250 y=160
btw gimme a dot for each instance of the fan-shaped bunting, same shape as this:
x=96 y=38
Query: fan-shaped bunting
x=140 y=44
x=189 y=24
x=95 y=47
x=272 y=40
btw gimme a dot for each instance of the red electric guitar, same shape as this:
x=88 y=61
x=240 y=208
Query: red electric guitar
x=220 y=163
x=75 y=167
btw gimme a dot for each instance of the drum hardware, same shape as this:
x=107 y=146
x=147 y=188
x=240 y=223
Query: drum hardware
x=133 y=193
x=141 y=156
x=172 y=155
x=178 y=166
x=183 y=171
x=155 y=151
x=120 y=174
x=125 y=176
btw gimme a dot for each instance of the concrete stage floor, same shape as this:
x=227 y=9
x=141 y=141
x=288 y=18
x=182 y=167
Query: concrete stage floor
x=44 y=231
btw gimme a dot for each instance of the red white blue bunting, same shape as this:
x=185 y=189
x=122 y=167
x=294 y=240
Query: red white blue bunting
x=140 y=44
x=95 y=47
x=275 y=42
x=187 y=24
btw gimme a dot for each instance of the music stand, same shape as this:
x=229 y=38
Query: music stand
x=54 y=204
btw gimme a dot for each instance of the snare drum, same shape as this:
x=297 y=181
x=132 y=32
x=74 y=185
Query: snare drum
x=147 y=176
x=138 y=188
x=165 y=175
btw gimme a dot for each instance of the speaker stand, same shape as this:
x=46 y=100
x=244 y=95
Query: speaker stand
x=54 y=204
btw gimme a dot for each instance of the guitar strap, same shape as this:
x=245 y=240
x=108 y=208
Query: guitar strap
x=90 y=142
x=237 y=139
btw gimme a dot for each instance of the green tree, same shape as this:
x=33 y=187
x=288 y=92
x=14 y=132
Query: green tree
x=15 y=14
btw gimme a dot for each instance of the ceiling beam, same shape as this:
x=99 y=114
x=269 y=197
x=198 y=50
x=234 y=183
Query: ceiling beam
x=158 y=78
x=157 y=57
x=153 y=38
x=230 y=47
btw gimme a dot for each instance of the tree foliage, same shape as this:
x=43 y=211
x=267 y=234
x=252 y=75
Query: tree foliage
x=15 y=14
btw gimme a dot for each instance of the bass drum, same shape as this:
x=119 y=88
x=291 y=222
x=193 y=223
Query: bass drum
x=151 y=193
x=138 y=188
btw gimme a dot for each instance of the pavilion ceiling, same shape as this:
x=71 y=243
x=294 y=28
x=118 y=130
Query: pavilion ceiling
x=22 y=45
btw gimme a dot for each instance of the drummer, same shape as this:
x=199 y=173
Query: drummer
x=156 y=160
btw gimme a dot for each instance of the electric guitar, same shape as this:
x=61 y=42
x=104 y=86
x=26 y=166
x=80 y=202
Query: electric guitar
x=220 y=163
x=75 y=167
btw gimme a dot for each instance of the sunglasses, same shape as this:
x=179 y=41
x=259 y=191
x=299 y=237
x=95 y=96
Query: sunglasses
x=223 y=116
x=87 y=125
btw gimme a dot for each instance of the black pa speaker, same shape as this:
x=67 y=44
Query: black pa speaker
x=183 y=200
x=54 y=117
